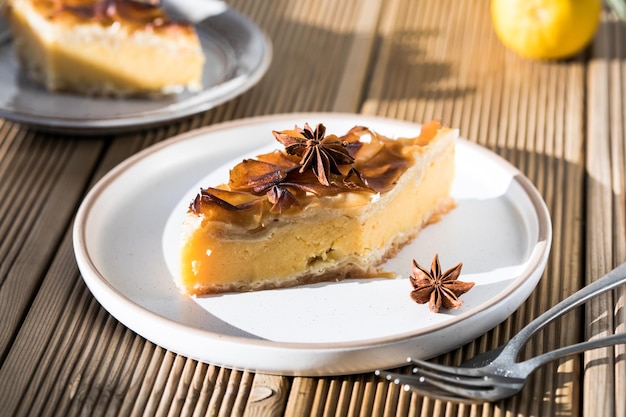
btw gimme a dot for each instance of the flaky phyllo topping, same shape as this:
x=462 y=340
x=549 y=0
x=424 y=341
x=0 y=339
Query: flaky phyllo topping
x=312 y=166
x=143 y=14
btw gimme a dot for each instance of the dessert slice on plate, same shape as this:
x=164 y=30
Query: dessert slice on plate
x=105 y=47
x=324 y=208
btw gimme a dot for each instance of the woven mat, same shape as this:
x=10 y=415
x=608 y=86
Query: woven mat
x=561 y=123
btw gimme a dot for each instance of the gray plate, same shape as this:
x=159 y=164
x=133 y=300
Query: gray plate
x=237 y=53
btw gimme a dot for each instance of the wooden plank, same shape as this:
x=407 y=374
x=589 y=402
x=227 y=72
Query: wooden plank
x=50 y=187
x=348 y=95
x=605 y=369
x=268 y=396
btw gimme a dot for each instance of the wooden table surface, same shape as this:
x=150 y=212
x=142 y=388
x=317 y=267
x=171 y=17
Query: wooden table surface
x=561 y=123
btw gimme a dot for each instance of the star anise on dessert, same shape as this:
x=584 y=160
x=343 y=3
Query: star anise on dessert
x=323 y=155
x=437 y=288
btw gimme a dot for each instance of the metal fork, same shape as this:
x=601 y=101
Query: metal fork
x=495 y=375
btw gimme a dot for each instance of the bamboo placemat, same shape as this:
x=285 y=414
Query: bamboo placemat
x=561 y=123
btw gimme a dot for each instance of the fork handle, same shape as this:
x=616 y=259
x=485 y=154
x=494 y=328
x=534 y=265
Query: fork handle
x=614 y=339
x=609 y=281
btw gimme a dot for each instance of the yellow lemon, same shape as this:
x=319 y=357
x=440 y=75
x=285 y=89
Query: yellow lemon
x=545 y=29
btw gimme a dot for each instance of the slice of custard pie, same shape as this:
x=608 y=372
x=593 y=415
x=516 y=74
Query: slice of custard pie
x=324 y=208
x=105 y=47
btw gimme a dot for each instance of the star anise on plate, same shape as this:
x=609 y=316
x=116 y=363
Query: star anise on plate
x=323 y=155
x=437 y=288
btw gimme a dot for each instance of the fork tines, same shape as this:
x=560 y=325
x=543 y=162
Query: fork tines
x=420 y=385
x=469 y=377
x=454 y=383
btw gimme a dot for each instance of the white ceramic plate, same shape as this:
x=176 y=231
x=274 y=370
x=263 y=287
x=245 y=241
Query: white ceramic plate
x=237 y=54
x=124 y=235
